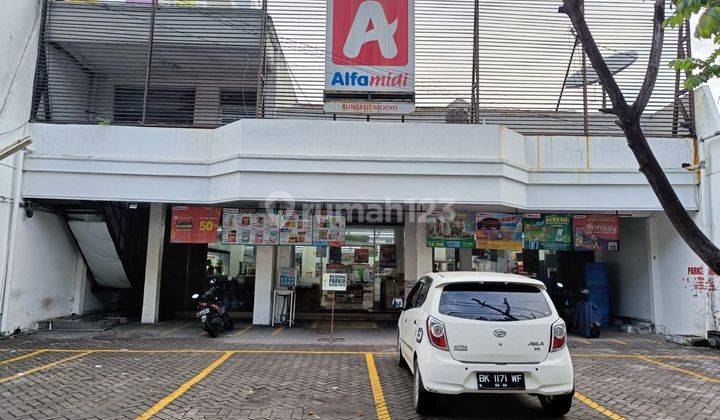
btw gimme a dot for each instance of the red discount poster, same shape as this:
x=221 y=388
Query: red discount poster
x=194 y=224
x=596 y=232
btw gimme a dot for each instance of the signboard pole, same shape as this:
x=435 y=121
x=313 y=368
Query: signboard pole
x=332 y=317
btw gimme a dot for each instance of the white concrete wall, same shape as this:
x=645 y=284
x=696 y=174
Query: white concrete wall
x=349 y=162
x=45 y=273
x=19 y=24
x=629 y=271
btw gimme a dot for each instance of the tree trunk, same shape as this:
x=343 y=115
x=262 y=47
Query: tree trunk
x=629 y=122
x=665 y=193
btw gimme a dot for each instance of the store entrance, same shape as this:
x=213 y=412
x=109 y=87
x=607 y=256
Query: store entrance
x=370 y=260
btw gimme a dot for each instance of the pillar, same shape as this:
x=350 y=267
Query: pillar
x=264 y=284
x=153 y=264
x=466 y=259
x=417 y=259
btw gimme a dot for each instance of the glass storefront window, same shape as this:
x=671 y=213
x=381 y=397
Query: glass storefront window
x=369 y=258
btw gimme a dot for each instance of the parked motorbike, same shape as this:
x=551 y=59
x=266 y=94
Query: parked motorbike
x=211 y=309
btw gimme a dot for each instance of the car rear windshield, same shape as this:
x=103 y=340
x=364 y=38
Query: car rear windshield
x=494 y=302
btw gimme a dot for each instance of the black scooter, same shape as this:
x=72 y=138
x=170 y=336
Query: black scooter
x=211 y=309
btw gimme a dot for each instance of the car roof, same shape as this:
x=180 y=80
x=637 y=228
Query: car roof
x=476 y=276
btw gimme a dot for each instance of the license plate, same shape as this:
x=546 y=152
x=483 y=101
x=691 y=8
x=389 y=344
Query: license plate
x=203 y=312
x=501 y=380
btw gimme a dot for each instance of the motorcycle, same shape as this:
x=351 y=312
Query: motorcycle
x=211 y=310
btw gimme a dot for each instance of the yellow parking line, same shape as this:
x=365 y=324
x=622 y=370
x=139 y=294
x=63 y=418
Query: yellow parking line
x=173 y=330
x=582 y=340
x=616 y=341
x=242 y=331
x=203 y=351
x=597 y=407
x=43 y=367
x=22 y=357
x=380 y=406
x=184 y=387
x=679 y=369
x=277 y=331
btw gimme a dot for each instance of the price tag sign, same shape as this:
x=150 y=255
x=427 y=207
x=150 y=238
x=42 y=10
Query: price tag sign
x=334 y=282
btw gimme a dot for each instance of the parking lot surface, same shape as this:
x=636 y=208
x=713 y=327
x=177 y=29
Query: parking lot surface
x=172 y=370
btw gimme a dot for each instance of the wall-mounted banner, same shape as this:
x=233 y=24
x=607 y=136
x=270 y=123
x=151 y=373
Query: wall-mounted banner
x=334 y=282
x=329 y=229
x=451 y=230
x=295 y=228
x=550 y=231
x=194 y=224
x=596 y=232
x=371 y=48
x=388 y=256
x=499 y=231
x=250 y=227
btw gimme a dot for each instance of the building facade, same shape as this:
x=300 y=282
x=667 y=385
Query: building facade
x=120 y=142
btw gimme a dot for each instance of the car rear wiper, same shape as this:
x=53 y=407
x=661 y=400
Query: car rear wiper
x=485 y=305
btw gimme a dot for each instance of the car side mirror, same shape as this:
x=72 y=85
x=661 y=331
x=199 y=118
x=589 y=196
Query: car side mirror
x=195 y=296
x=398 y=303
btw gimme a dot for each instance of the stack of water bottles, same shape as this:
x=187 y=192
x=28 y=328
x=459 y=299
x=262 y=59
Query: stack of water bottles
x=597 y=285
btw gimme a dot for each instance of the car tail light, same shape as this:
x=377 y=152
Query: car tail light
x=559 y=336
x=436 y=333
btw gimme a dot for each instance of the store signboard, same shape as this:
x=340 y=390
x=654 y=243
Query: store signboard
x=372 y=49
x=549 y=232
x=596 y=232
x=334 y=282
x=288 y=276
x=499 y=231
x=250 y=227
x=329 y=229
x=451 y=230
x=295 y=228
x=194 y=224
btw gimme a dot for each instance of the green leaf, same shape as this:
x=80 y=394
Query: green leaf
x=709 y=23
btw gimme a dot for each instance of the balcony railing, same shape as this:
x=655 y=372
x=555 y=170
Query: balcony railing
x=207 y=63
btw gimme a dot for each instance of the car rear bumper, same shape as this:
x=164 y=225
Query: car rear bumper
x=445 y=375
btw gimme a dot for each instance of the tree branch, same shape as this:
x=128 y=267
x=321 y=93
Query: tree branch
x=573 y=8
x=653 y=66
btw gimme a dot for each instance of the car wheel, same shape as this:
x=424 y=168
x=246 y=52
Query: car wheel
x=556 y=405
x=400 y=359
x=423 y=399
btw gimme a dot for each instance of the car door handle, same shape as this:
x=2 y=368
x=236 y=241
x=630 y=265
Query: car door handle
x=415 y=322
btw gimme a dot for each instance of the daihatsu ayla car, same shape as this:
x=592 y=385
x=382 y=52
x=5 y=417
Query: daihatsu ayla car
x=469 y=332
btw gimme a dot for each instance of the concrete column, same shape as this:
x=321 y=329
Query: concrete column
x=264 y=284
x=418 y=256
x=153 y=264
x=81 y=284
x=466 y=259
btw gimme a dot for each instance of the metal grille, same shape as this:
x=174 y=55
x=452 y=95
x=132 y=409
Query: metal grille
x=206 y=63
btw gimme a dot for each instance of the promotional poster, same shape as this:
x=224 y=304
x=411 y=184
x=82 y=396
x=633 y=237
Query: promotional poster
x=194 y=224
x=548 y=232
x=499 y=231
x=451 y=230
x=250 y=227
x=596 y=232
x=329 y=229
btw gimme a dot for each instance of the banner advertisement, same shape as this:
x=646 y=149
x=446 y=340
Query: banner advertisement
x=362 y=255
x=451 y=230
x=295 y=228
x=499 y=231
x=194 y=224
x=334 y=282
x=372 y=49
x=549 y=232
x=250 y=227
x=328 y=229
x=596 y=232
x=288 y=277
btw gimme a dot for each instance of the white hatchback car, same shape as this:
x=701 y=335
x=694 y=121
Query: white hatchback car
x=470 y=332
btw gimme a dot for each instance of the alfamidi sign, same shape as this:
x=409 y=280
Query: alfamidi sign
x=370 y=50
